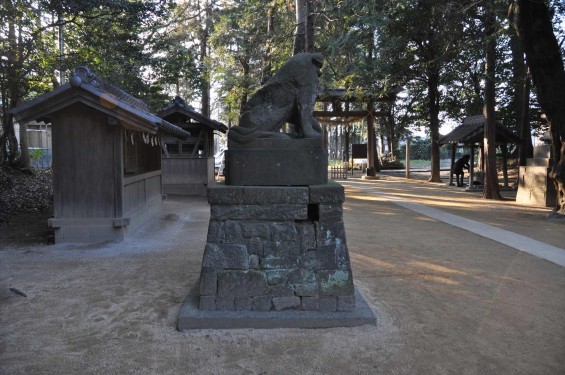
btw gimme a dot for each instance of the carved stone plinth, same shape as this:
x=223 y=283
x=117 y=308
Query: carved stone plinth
x=276 y=248
x=277 y=162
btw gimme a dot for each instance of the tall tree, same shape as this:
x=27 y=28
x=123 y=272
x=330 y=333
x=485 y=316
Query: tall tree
x=491 y=189
x=418 y=40
x=533 y=23
x=305 y=11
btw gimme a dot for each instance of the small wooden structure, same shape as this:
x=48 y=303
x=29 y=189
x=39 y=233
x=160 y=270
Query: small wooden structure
x=188 y=164
x=106 y=158
x=471 y=134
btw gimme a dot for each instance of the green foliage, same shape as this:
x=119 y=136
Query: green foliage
x=250 y=40
x=420 y=149
x=36 y=154
x=155 y=49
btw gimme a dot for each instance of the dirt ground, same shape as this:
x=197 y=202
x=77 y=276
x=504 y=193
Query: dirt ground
x=447 y=301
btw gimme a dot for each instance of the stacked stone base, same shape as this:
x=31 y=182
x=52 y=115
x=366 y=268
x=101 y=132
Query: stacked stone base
x=272 y=248
x=535 y=186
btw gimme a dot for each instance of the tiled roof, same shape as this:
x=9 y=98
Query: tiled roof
x=84 y=87
x=179 y=106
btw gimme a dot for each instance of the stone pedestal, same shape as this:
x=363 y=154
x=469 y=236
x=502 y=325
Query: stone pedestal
x=535 y=187
x=276 y=248
x=276 y=254
x=276 y=162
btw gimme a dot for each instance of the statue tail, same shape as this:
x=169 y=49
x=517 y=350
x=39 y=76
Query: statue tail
x=241 y=134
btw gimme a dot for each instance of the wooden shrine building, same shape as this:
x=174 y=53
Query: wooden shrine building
x=188 y=164
x=471 y=134
x=106 y=158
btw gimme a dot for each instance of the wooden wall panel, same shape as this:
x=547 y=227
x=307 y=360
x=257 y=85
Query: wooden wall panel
x=187 y=170
x=83 y=163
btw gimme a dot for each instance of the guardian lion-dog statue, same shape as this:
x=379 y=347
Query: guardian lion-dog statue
x=289 y=96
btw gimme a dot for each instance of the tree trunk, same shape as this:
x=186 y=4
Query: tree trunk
x=392 y=144
x=526 y=146
x=300 y=31
x=521 y=99
x=205 y=85
x=11 y=92
x=23 y=161
x=346 y=142
x=491 y=190
x=267 y=66
x=433 y=109
x=310 y=20
x=533 y=25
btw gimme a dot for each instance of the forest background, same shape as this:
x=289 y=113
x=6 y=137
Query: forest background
x=218 y=52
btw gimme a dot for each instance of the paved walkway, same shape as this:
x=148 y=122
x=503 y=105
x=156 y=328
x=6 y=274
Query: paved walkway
x=517 y=241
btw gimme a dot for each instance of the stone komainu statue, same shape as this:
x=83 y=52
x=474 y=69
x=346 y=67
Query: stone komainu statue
x=289 y=96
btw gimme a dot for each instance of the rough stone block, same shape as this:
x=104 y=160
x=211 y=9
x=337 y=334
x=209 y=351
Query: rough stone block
x=262 y=303
x=307 y=235
x=255 y=246
x=335 y=283
x=342 y=257
x=225 y=194
x=286 y=303
x=243 y=303
x=233 y=232
x=346 y=303
x=207 y=303
x=256 y=229
x=225 y=256
x=259 y=212
x=275 y=194
x=254 y=261
x=321 y=259
x=242 y=283
x=330 y=233
x=208 y=282
x=306 y=289
x=330 y=212
x=281 y=290
x=301 y=275
x=277 y=276
x=270 y=250
x=225 y=303
x=284 y=232
x=328 y=303
x=332 y=192
x=310 y=303
x=216 y=233
x=271 y=262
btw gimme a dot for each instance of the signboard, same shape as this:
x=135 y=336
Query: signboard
x=359 y=151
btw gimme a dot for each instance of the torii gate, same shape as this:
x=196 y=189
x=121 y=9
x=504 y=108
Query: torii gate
x=339 y=116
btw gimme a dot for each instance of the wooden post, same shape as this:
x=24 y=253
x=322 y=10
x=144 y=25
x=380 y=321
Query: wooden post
x=408 y=157
x=504 y=148
x=370 y=141
x=471 y=166
x=453 y=150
